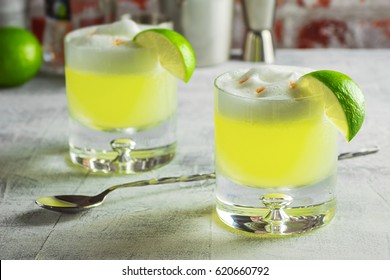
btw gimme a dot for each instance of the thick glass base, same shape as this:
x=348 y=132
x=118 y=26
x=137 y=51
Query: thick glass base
x=297 y=219
x=276 y=211
x=105 y=162
x=123 y=151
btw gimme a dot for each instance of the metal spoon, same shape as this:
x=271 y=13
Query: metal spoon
x=77 y=203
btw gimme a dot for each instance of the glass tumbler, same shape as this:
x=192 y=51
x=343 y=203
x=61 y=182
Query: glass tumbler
x=276 y=162
x=122 y=106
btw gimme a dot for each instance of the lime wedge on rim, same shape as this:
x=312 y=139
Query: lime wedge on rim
x=174 y=51
x=344 y=100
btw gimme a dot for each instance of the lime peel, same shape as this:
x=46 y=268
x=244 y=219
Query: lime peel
x=174 y=51
x=344 y=100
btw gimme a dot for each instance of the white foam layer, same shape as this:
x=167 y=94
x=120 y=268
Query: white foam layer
x=271 y=81
x=109 y=48
x=238 y=98
x=109 y=36
x=124 y=27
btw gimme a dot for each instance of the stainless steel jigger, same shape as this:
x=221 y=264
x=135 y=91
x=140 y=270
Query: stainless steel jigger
x=259 y=17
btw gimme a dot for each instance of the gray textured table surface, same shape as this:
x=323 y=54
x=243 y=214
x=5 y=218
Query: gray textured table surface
x=179 y=221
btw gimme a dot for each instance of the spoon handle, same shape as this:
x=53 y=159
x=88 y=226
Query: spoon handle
x=362 y=152
x=164 y=180
x=206 y=176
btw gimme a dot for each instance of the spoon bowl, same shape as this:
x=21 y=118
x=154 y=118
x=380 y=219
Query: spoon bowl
x=68 y=203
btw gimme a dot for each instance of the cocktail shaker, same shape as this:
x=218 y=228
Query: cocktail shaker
x=259 y=18
x=206 y=24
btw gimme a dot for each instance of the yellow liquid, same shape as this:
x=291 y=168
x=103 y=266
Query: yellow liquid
x=120 y=101
x=275 y=152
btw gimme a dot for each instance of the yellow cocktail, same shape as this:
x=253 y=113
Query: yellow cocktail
x=273 y=150
x=121 y=101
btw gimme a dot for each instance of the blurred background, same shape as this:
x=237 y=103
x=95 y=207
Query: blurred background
x=333 y=23
x=294 y=24
x=298 y=23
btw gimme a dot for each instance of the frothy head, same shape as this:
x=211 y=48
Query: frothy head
x=265 y=94
x=272 y=81
x=108 y=36
x=109 y=48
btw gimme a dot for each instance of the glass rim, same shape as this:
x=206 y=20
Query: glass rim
x=263 y=99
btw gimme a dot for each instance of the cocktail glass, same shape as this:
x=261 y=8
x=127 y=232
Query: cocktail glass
x=276 y=160
x=121 y=103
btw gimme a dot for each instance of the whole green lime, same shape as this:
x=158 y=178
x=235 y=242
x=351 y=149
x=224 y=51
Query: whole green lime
x=20 y=56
